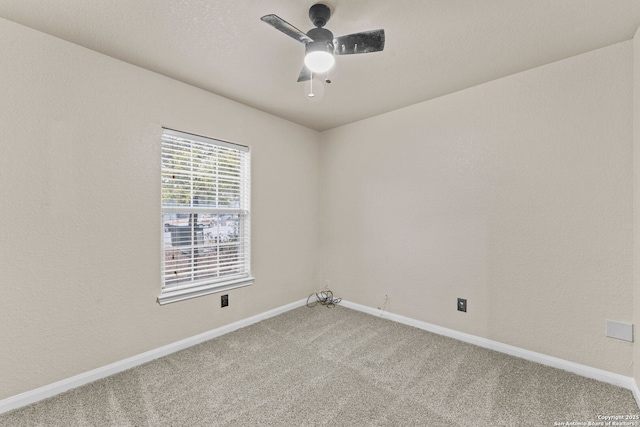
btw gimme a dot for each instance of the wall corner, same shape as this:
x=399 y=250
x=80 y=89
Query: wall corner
x=636 y=206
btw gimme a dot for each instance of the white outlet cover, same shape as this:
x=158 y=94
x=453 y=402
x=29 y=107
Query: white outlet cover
x=619 y=330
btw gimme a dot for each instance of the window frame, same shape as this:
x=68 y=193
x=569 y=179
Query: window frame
x=195 y=288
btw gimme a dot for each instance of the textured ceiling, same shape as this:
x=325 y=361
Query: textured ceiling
x=433 y=47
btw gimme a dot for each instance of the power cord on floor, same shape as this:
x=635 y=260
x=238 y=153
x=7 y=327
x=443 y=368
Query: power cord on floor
x=324 y=297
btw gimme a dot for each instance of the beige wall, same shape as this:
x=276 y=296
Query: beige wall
x=80 y=186
x=515 y=194
x=636 y=204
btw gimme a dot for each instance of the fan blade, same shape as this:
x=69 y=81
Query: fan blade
x=305 y=74
x=365 y=42
x=282 y=25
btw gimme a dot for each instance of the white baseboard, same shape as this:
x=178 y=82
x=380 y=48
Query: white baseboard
x=58 y=387
x=554 y=362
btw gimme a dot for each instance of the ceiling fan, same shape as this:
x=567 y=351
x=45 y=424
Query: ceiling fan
x=321 y=46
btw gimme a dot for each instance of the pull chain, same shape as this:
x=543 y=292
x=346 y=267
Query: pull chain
x=311 y=94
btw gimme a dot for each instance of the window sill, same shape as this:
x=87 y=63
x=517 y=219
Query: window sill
x=175 y=295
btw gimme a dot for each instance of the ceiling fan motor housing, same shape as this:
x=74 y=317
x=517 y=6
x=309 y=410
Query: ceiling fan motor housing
x=322 y=40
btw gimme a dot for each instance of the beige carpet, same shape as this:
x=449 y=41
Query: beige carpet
x=332 y=366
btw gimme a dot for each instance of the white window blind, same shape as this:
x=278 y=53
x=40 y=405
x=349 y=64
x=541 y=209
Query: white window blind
x=205 y=216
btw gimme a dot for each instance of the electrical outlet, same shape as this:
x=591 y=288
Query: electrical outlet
x=224 y=300
x=462 y=304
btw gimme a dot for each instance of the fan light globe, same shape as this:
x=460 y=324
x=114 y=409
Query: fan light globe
x=319 y=61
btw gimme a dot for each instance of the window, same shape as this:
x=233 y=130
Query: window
x=205 y=216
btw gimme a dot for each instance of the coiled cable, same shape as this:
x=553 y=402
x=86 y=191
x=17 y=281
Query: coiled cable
x=324 y=297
